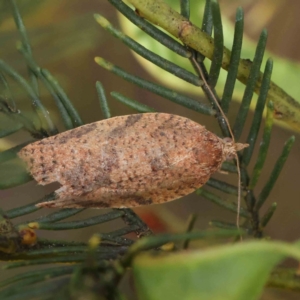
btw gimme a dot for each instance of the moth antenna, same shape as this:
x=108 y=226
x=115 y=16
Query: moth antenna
x=238 y=147
x=239 y=191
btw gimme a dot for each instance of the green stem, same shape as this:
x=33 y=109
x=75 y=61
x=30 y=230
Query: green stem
x=217 y=200
x=217 y=57
x=7 y=93
x=190 y=225
x=11 y=153
x=222 y=186
x=268 y=215
x=258 y=113
x=29 y=208
x=59 y=215
x=250 y=85
x=140 y=107
x=4 y=132
x=185 y=8
x=157 y=89
x=234 y=60
x=78 y=224
x=149 y=55
x=275 y=173
x=103 y=100
x=264 y=146
x=151 y=30
x=41 y=111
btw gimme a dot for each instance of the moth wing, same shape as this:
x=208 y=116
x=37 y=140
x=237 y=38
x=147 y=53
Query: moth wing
x=126 y=198
x=122 y=149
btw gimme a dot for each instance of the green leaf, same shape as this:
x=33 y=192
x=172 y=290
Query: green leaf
x=230 y=272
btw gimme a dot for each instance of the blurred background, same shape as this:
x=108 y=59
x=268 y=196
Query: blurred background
x=65 y=39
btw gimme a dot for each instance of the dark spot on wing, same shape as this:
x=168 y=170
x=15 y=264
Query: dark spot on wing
x=77 y=132
x=119 y=131
x=132 y=119
x=91 y=203
x=141 y=200
x=102 y=180
x=112 y=160
x=157 y=164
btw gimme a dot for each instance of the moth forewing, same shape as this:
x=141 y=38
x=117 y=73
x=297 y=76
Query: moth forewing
x=127 y=161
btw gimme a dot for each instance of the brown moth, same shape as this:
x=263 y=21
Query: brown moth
x=127 y=161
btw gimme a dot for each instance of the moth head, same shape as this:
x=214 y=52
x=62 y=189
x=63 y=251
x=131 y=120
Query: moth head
x=230 y=148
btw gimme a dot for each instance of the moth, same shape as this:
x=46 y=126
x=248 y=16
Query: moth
x=127 y=161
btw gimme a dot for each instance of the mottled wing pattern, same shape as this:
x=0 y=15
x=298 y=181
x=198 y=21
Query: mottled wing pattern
x=121 y=198
x=126 y=161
